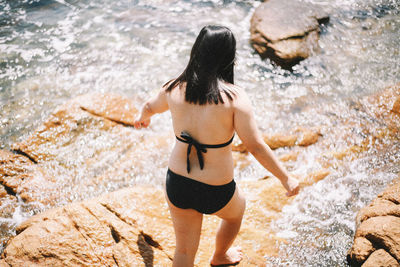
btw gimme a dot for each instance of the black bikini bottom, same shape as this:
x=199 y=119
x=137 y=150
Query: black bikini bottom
x=186 y=193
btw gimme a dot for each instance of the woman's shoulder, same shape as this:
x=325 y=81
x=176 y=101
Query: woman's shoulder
x=233 y=89
x=238 y=93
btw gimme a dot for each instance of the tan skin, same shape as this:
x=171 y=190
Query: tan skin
x=212 y=124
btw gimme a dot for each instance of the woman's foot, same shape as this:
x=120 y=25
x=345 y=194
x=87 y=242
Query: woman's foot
x=232 y=257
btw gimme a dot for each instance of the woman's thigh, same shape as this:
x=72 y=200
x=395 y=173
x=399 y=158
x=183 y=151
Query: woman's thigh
x=187 y=225
x=235 y=207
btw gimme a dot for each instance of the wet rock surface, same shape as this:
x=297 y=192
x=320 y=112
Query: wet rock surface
x=75 y=122
x=68 y=157
x=132 y=227
x=297 y=137
x=129 y=226
x=118 y=229
x=75 y=150
x=286 y=31
x=19 y=175
x=377 y=239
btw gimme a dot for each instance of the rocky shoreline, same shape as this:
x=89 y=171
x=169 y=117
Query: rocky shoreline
x=134 y=222
x=85 y=143
x=129 y=221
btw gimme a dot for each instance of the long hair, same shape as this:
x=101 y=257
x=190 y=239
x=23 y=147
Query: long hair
x=211 y=61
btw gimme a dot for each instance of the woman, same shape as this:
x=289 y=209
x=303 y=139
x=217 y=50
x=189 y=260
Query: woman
x=207 y=108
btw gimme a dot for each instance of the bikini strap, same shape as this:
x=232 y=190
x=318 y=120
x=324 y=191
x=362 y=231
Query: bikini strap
x=200 y=148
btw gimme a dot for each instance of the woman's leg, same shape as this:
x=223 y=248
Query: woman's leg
x=231 y=216
x=187 y=226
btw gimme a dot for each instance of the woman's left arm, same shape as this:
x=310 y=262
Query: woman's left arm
x=156 y=104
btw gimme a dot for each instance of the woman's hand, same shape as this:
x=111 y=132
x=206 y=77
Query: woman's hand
x=141 y=123
x=292 y=186
x=157 y=104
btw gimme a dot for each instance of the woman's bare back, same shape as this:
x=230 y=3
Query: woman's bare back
x=207 y=124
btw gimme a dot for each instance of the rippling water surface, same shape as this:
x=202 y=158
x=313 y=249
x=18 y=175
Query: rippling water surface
x=52 y=51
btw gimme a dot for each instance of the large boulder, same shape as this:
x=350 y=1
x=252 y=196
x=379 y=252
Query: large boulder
x=126 y=228
x=132 y=227
x=377 y=238
x=286 y=31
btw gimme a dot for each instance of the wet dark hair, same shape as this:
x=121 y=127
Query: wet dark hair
x=211 y=61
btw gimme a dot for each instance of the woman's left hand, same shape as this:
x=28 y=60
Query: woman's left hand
x=140 y=123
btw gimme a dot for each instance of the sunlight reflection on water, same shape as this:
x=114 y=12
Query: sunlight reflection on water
x=52 y=51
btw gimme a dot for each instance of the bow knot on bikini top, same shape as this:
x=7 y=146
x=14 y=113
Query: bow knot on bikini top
x=200 y=148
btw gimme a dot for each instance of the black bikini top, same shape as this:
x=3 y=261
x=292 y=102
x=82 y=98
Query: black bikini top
x=200 y=148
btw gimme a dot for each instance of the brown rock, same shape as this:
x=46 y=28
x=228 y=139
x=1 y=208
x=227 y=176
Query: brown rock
x=314 y=177
x=360 y=251
x=280 y=140
x=79 y=148
x=240 y=160
x=95 y=233
x=289 y=157
x=396 y=106
x=384 y=106
x=110 y=106
x=378 y=226
x=132 y=227
x=286 y=31
x=86 y=116
x=384 y=232
x=300 y=137
x=392 y=193
x=65 y=126
x=307 y=137
x=379 y=207
x=70 y=155
x=3 y=193
x=3 y=263
x=381 y=258
x=239 y=148
x=19 y=175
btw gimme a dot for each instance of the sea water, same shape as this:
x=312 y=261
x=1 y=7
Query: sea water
x=54 y=50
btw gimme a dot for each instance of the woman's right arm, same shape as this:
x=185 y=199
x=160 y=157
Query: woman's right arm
x=156 y=104
x=246 y=128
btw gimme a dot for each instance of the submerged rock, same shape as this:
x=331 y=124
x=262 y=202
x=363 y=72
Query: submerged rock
x=300 y=137
x=377 y=238
x=385 y=106
x=286 y=31
x=110 y=106
x=86 y=116
x=83 y=144
x=280 y=140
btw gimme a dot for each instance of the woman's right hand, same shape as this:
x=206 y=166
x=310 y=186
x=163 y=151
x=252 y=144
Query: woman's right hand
x=292 y=186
